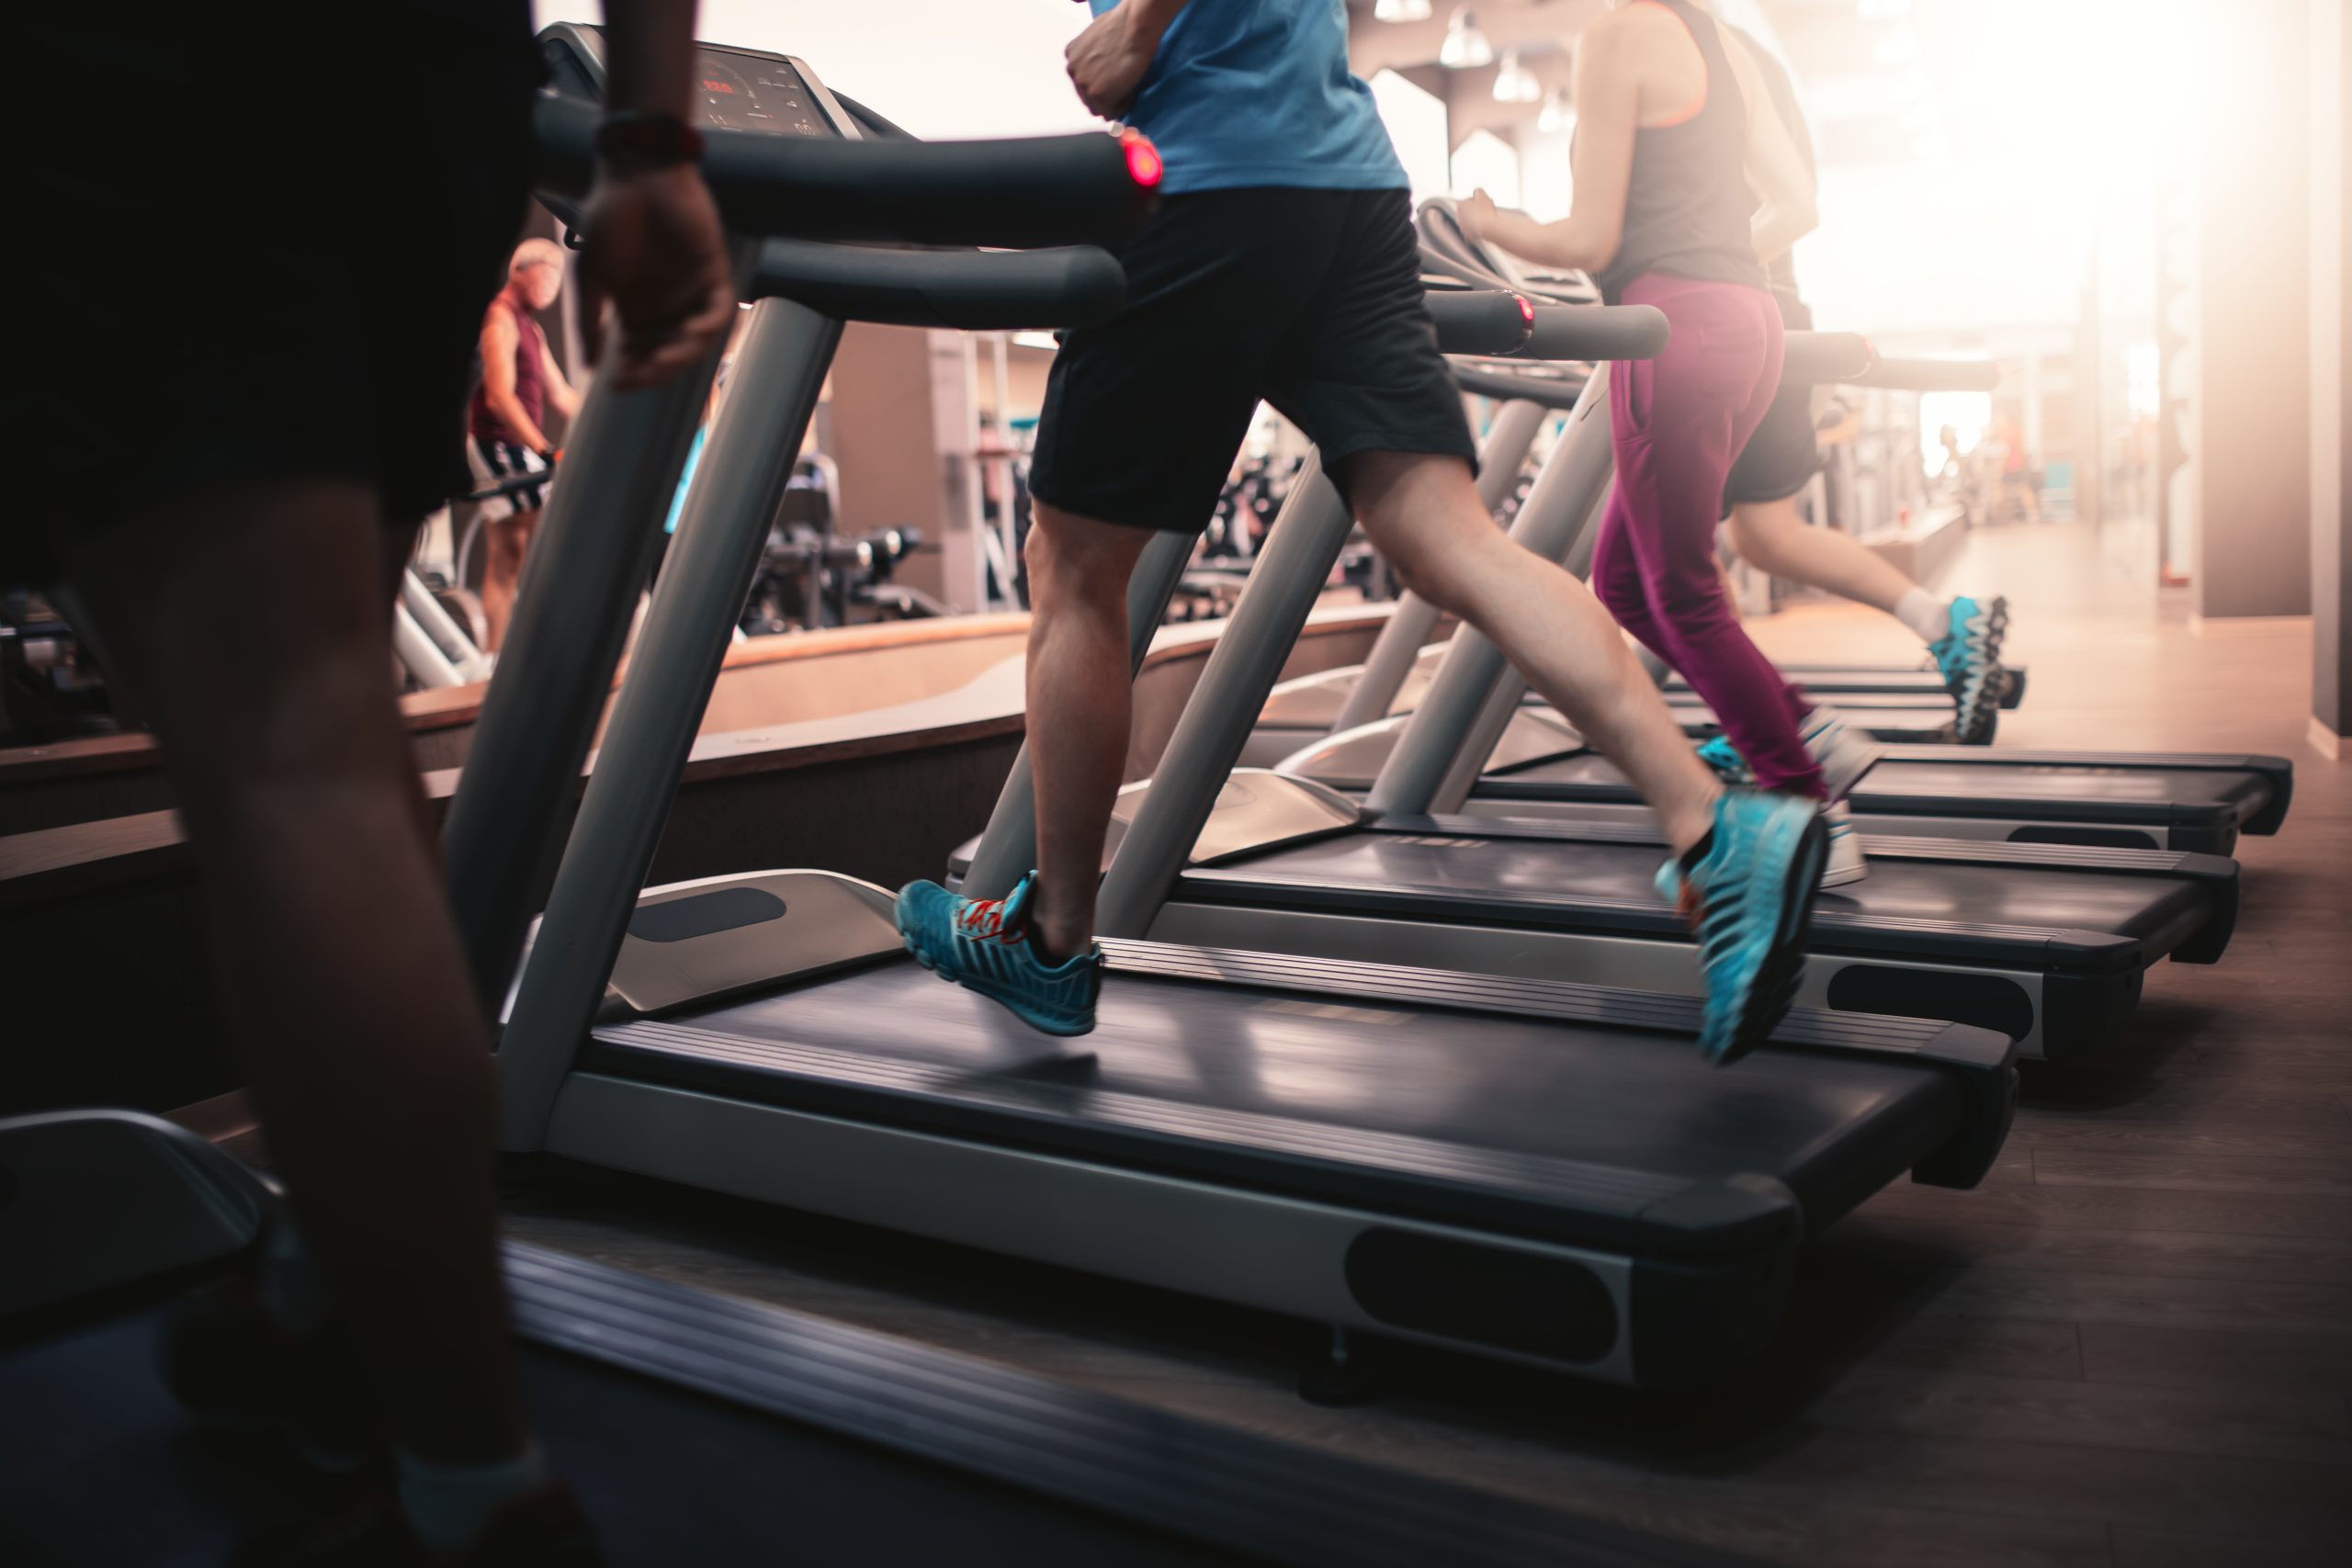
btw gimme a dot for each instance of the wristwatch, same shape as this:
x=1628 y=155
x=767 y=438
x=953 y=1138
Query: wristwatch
x=647 y=139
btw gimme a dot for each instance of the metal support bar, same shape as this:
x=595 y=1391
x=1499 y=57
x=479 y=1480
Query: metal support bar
x=1408 y=631
x=1438 y=740
x=1495 y=714
x=457 y=645
x=1300 y=551
x=579 y=584
x=1008 y=849
x=780 y=370
x=419 y=654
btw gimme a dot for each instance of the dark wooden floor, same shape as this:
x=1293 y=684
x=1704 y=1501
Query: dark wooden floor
x=2131 y=1347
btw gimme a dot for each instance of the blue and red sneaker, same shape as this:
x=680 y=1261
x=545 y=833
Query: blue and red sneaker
x=982 y=944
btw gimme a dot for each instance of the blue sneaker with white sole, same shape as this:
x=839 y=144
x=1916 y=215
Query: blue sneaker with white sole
x=1969 y=655
x=1750 y=899
x=982 y=944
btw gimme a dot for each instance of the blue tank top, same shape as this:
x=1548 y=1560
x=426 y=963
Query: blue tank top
x=1247 y=93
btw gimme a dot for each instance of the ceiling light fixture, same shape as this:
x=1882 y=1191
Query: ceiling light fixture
x=1465 y=46
x=1401 y=11
x=1515 y=83
x=1553 y=116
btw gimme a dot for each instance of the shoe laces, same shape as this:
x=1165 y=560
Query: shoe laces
x=983 y=919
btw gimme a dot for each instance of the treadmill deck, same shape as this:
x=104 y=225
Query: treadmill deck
x=1310 y=1077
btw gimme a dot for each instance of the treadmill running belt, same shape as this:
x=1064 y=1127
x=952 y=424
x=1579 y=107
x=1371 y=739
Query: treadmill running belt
x=1542 y=878
x=1956 y=789
x=1576 y=1134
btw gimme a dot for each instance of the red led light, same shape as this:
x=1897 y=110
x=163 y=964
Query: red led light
x=1143 y=159
x=1526 y=310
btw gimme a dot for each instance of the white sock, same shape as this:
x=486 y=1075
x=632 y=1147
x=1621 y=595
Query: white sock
x=449 y=1504
x=1924 y=614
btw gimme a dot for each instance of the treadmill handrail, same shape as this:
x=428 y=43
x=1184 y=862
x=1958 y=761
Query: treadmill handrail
x=966 y=290
x=1820 y=359
x=1931 y=375
x=1591 y=333
x=1501 y=384
x=1479 y=320
x=1017 y=193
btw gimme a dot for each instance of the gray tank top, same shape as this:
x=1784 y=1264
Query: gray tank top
x=1688 y=206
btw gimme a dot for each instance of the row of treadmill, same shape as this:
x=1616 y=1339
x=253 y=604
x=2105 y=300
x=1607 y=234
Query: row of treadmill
x=1396 y=1033
x=1397 y=1037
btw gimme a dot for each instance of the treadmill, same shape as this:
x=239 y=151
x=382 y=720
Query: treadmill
x=1337 y=727
x=1564 y=1183
x=697 y=1427
x=1534 y=763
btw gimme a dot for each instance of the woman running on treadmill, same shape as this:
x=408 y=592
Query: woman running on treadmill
x=1661 y=218
x=1962 y=634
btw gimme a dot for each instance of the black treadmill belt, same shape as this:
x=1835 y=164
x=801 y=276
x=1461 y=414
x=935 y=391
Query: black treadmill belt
x=1988 y=788
x=1579 y=1134
x=2029 y=915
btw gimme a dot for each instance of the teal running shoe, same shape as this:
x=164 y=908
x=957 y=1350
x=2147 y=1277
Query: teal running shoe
x=1750 y=902
x=982 y=944
x=1969 y=655
x=1724 y=757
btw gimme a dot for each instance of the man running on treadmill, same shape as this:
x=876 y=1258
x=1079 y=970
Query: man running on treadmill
x=1963 y=635
x=240 y=560
x=1282 y=266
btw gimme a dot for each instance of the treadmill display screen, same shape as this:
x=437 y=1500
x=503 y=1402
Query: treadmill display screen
x=750 y=92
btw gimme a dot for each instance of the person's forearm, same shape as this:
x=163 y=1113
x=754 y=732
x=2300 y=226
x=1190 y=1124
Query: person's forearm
x=653 y=55
x=1562 y=244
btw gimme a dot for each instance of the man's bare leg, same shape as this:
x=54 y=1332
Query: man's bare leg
x=355 y=1015
x=1080 y=698
x=1423 y=512
x=506 y=541
x=1772 y=537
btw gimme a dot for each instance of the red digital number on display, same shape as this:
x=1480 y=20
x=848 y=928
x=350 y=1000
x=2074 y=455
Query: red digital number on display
x=719 y=88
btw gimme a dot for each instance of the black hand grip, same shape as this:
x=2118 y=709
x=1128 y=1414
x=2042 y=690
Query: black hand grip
x=1811 y=359
x=1596 y=333
x=967 y=290
x=1041 y=190
x=1543 y=391
x=1478 y=320
x=1932 y=375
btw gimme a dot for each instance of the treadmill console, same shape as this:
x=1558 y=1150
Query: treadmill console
x=736 y=89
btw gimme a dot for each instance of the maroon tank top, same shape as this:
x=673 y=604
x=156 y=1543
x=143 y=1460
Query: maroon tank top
x=530 y=382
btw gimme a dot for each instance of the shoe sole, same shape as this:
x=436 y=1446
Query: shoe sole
x=922 y=956
x=1773 y=987
x=1997 y=629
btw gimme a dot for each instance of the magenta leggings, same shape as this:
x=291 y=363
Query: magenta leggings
x=1677 y=422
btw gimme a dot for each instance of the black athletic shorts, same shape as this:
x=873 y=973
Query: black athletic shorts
x=261 y=243
x=1310 y=299
x=1782 y=457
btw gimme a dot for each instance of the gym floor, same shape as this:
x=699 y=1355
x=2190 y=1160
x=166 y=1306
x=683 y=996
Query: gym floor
x=2131 y=1347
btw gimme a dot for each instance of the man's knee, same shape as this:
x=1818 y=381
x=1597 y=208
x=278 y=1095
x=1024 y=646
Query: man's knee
x=1071 y=557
